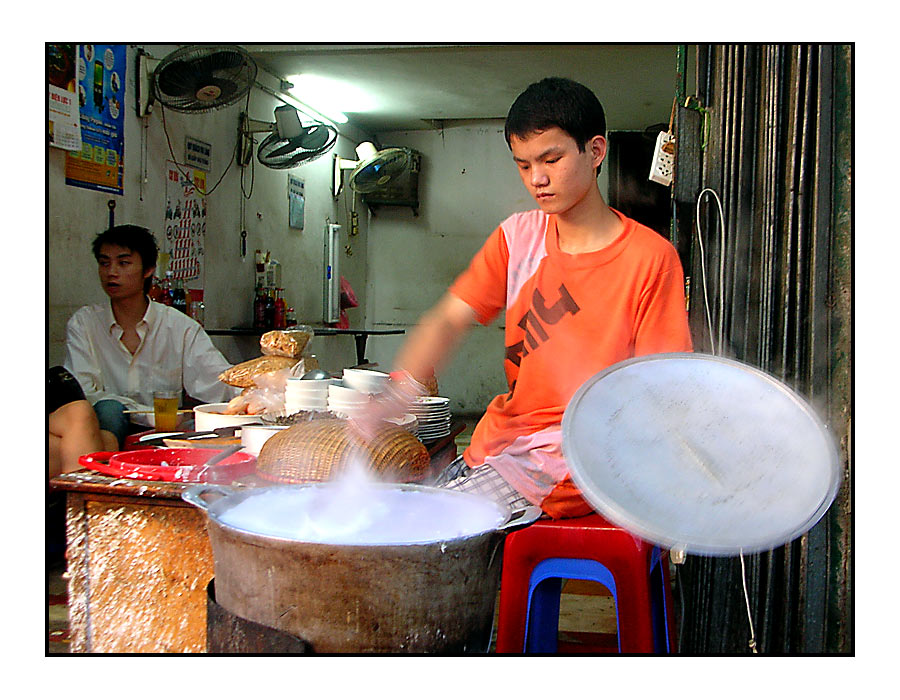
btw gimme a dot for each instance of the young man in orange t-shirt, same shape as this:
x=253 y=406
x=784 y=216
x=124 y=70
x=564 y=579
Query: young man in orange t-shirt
x=583 y=287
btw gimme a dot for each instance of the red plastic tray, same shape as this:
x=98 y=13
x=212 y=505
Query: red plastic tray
x=170 y=464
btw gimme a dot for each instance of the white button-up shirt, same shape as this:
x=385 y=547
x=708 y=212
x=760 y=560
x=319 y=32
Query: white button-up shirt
x=174 y=352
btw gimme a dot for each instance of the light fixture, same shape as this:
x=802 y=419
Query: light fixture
x=331 y=98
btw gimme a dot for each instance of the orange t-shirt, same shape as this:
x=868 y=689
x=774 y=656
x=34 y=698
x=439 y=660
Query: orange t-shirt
x=567 y=318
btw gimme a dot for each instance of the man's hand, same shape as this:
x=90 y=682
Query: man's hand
x=394 y=401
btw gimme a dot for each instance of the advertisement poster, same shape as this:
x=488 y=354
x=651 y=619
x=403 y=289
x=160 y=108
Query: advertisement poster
x=296 y=202
x=99 y=165
x=185 y=224
x=64 y=123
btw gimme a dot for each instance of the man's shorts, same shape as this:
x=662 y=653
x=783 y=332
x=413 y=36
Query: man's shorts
x=483 y=480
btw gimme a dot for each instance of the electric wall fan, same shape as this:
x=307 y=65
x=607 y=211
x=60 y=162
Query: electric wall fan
x=373 y=170
x=193 y=78
x=290 y=142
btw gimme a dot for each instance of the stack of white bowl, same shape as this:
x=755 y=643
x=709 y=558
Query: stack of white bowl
x=367 y=381
x=432 y=417
x=306 y=395
x=346 y=402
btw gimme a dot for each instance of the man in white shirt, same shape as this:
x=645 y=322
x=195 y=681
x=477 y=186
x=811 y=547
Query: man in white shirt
x=123 y=351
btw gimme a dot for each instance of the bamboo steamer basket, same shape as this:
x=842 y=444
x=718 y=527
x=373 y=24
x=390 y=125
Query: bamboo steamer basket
x=318 y=450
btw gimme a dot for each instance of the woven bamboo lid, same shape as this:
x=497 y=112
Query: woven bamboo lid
x=319 y=449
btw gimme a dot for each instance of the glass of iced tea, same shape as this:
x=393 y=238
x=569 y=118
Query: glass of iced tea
x=165 y=409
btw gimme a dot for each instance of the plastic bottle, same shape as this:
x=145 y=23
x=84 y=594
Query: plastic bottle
x=156 y=290
x=280 y=310
x=167 y=290
x=196 y=308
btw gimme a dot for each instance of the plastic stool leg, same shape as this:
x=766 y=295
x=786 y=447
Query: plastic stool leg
x=542 y=621
x=545 y=590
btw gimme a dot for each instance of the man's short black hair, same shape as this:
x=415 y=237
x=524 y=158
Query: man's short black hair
x=559 y=102
x=135 y=238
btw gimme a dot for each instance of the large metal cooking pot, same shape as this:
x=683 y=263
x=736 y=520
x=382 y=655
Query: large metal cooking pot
x=433 y=596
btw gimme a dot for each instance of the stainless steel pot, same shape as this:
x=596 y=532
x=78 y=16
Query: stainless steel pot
x=434 y=597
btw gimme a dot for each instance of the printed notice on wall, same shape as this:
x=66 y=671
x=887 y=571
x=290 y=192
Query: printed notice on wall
x=296 y=202
x=99 y=164
x=64 y=122
x=185 y=224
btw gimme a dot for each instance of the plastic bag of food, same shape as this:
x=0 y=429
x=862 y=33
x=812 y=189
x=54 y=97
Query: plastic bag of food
x=289 y=343
x=243 y=374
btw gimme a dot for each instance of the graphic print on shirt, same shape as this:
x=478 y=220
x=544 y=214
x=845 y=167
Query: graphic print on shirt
x=538 y=324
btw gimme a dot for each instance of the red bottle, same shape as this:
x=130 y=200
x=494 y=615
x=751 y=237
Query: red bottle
x=280 y=310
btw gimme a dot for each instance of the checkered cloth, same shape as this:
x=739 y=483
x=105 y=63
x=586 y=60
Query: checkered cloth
x=483 y=480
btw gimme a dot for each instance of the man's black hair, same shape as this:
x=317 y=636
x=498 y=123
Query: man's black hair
x=559 y=102
x=137 y=239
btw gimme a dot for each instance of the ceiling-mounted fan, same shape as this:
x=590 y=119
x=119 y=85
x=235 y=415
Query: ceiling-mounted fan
x=373 y=170
x=290 y=143
x=194 y=78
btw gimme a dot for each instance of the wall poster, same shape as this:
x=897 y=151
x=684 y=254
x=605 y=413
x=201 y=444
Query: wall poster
x=99 y=165
x=64 y=122
x=296 y=202
x=185 y=224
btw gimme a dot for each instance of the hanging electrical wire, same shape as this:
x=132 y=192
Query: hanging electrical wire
x=716 y=340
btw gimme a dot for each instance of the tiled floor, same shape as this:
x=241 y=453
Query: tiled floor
x=587 y=621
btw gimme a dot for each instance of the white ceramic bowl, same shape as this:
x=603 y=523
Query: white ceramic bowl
x=323 y=384
x=343 y=393
x=365 y=380
x=253 y=437
x=209 y=416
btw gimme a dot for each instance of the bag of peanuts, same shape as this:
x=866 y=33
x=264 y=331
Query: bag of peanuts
x=289 y=343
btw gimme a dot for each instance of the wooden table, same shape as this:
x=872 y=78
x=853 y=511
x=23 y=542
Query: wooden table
x=139 y=561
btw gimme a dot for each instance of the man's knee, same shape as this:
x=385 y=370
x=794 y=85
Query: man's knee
x=111 y=417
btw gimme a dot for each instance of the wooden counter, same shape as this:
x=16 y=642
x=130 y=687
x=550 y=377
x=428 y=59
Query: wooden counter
x=139 y=561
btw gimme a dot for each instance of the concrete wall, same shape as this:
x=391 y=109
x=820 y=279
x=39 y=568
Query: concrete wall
x=76 y=215
x=468 y=184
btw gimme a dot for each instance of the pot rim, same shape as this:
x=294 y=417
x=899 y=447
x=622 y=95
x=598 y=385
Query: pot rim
x=230 y=497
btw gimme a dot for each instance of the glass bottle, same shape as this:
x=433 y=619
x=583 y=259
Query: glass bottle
x=269 y=311
x=290 y=317
x=179 y=298
x=259 y=309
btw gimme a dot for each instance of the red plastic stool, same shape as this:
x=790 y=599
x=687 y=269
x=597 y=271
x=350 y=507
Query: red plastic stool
x=535 y=560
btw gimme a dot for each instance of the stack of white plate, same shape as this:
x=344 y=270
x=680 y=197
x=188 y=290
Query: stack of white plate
x=306 y=395
x=347 y=402
x=432 y=417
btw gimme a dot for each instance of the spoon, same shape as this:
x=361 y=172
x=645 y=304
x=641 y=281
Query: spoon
x=216 y=458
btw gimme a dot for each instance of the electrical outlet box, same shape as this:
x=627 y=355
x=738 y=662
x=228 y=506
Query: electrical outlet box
x=662 y=169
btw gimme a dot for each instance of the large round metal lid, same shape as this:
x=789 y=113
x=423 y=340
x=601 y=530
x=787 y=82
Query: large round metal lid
x=699 y=453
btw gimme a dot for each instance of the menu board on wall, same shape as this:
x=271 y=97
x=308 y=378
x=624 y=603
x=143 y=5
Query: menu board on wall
x=185 y=223
x=99 y=165
x=64 y=124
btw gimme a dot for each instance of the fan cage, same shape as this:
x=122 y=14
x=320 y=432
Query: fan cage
x=225 y=68
x=267 y=151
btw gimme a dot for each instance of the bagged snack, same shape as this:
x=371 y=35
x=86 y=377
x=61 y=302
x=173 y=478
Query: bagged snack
x=290 y=343
x=243 y=374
